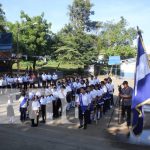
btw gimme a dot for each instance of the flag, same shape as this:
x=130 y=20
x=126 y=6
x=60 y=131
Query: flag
x=141 y=94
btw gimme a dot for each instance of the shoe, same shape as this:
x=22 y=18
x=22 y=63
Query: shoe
x=85 y=127
x=81 y=126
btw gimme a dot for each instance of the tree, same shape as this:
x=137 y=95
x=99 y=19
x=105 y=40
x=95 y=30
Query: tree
x=117 y=39
x=79 y=13
x=2 y=19
x=76 y=44
x=34 y=36
x=66 y=46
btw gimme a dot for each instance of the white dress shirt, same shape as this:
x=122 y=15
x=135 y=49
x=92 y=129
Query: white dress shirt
x=55 y=77
x=92 y=82
x=85 y=99
x=99 y=92
x=62 y=94
x=93 y=93
x=35 y=105
x=44 y=77
x=43 y=101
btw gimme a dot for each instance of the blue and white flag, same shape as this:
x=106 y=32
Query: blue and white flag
x=141 y=94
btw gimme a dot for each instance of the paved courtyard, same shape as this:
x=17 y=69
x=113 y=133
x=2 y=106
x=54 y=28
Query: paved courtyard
x=63 y=133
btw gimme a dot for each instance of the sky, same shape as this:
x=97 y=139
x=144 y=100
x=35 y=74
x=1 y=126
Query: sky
x=137 y=12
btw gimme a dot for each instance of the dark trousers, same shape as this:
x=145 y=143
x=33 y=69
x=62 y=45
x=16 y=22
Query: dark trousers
x=56 y=106
x=83 y=117
x=100 y=108
x=43 y=110
x=126 y=111
x=105 y=107
x=44 y=84
x=20 y=85
x=33 y=124
x=25 y=85
x=23 y=114
x=112 y=100
x=88 y=116
x=32 y=85
x=48 y=83
x=54 y=81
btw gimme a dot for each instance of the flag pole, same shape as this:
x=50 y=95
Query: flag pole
x=139 y=32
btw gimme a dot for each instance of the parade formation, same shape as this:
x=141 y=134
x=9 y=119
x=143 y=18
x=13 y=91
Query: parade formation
x=79 y=82
x=92 y=97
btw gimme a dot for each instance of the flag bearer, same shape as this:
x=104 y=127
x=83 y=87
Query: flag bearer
x=126 y=95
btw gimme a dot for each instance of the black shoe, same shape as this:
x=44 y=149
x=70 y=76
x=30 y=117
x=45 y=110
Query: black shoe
x=85 y=127
x=81 y=126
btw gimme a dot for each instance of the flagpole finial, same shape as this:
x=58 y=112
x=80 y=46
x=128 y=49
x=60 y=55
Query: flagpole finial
x=139 y=31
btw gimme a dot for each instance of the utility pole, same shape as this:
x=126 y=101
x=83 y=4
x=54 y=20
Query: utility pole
x=18 y=65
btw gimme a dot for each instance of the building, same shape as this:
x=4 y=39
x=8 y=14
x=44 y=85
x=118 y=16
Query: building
x=5 y=52
x=127 y=68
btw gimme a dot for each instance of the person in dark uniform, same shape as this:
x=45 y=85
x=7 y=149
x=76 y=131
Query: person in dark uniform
x=126 y=96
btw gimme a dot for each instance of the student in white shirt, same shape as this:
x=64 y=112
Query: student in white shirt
x=44 y=80
x=15 y=81
x=111 y=91
x=35 y=112
x=83 y=103
x=78 y=86
x=31 y=82
x=23 y=107
x=25 y=81
x=68 y=96
x=99 y=102
x=93 y=102
x=105 y=91
x=20 y=81
x=90 y=115
x=55 y=77
x=49 y=79
x=91 y=81
x=96 y=80
x=49 y=108
x=55 y=103
x=38 y=93
x=31 y=95
x=43 y=101
x=61 y=102
x=1 y=85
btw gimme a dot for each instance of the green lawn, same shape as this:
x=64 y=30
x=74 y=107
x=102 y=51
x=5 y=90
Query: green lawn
x=49 y=65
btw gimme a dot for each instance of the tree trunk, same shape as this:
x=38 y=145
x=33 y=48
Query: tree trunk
x=34 y=63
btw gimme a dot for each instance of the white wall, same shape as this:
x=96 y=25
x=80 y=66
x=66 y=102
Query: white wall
x=127 y=69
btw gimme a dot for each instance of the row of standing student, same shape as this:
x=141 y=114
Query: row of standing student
x=94 y=101
x=28 y=81
x=99 y=98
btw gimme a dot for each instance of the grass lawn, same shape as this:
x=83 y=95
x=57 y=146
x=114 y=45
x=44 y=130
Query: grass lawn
x=50 y=65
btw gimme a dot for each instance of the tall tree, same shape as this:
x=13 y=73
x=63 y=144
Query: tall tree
x=117 y=39
x=2 y=19
x=34 y=35
x=79 y=13
x=75 y=44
